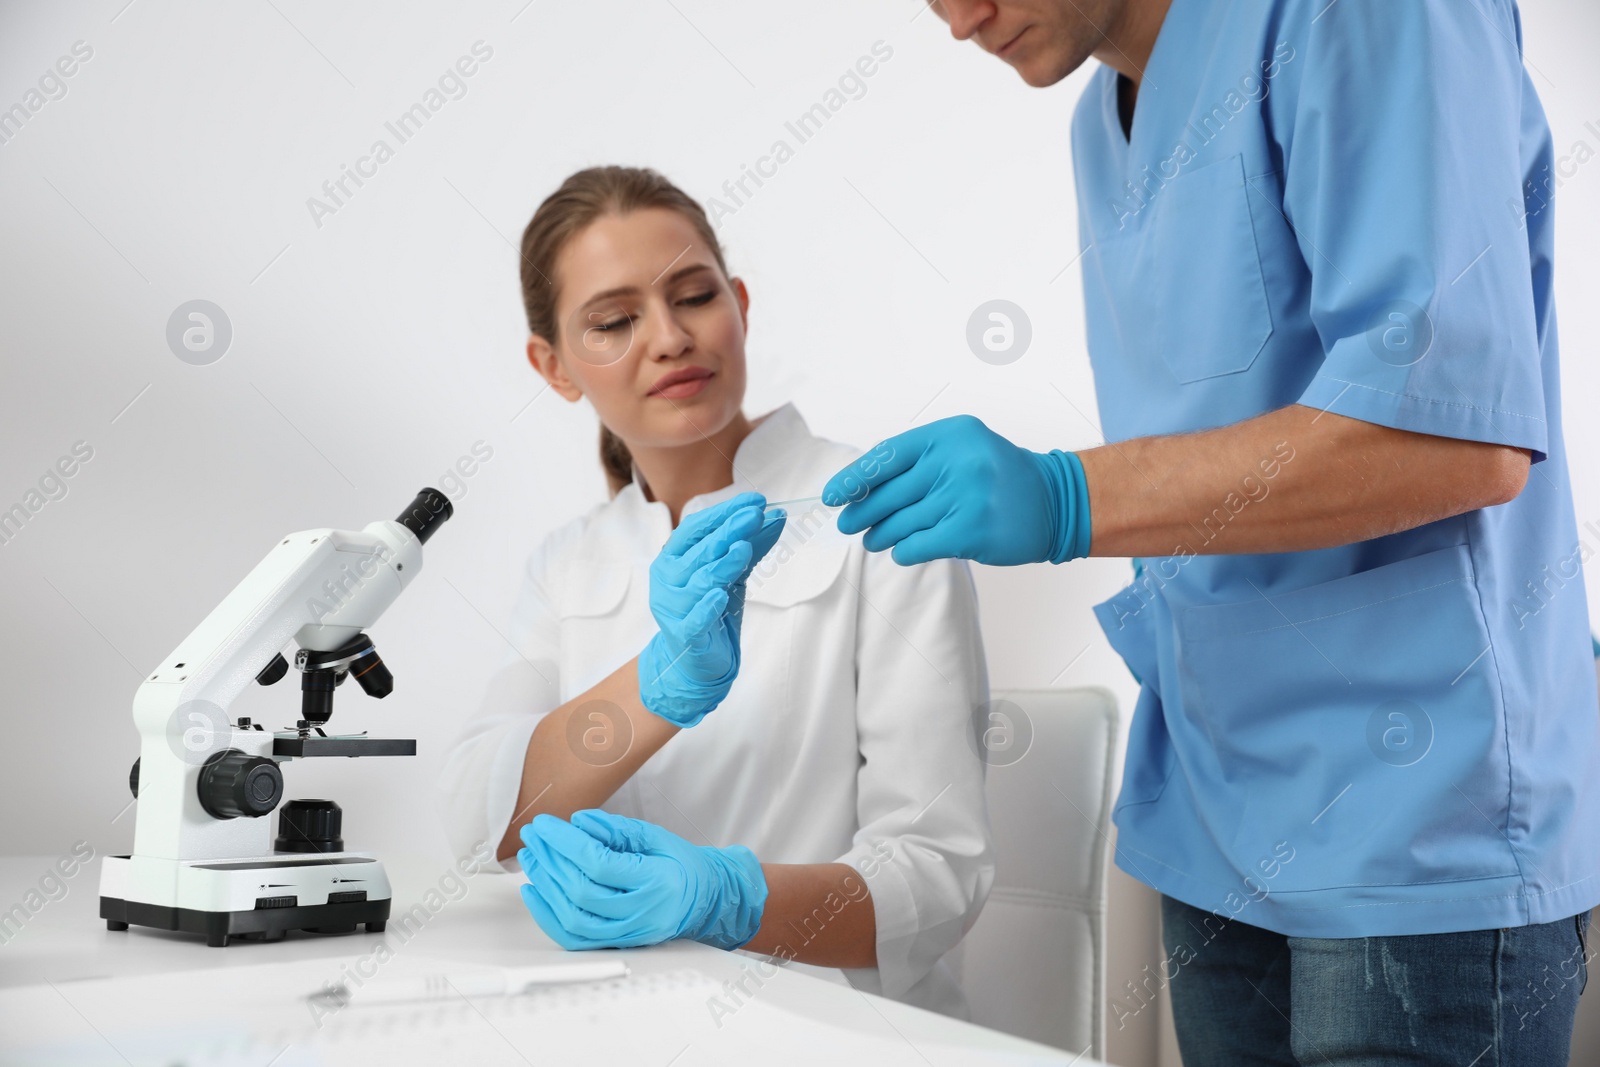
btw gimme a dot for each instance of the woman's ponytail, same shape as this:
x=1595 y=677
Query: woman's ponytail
x=615 y=460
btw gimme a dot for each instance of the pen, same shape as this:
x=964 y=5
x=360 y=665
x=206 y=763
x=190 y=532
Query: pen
x=491 y=982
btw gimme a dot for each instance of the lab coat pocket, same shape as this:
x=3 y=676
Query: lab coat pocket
x=795 y=657
x=593 y=585
x=1361 y=717
x=591 y=594
x=792 y=617
x=1191 y=291
x=799 y=567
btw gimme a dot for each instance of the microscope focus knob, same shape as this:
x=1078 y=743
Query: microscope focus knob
x=233 y=785
x=310 y=826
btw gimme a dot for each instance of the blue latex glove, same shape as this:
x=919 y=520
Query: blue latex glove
x=956 y=489
x=697 y=586
x=605 y=881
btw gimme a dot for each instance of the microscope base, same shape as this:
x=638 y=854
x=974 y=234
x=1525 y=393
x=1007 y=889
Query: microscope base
x=250 y=899
x=270 y=924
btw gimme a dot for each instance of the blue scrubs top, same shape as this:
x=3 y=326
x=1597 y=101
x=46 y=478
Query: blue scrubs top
x=1345 y=206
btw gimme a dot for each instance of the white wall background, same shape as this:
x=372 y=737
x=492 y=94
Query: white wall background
x=372 y=351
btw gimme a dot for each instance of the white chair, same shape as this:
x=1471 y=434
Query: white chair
x=1034 y=963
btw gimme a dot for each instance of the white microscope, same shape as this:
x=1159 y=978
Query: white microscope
x=204 y=860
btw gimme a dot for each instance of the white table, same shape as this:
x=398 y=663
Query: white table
x=72 y=992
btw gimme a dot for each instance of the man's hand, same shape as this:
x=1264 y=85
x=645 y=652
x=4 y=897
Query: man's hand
x=1289 y=480
x=956 y=489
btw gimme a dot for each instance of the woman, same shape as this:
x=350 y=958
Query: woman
x=842 y=754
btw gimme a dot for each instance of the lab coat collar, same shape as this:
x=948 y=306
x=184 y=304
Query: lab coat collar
x=780 y=458
x=770 y=460
x=768 y=452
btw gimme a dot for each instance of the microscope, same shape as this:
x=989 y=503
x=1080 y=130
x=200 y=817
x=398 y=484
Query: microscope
x=204 y=860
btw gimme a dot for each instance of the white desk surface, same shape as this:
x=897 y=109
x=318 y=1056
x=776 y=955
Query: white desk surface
x=73 y=993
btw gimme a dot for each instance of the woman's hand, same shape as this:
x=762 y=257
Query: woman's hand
x=697 y=598
x=605 y=881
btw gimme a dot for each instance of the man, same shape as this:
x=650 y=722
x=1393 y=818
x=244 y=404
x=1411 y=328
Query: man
x=1363 y=767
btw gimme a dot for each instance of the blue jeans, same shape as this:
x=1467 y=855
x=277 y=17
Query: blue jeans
x=1244 y=996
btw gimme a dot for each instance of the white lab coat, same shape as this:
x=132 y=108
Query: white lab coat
x=847 y=736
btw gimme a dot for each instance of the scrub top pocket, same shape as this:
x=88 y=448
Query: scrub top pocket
x=1190 y=293
x=1359 y=720
x=1132 y=622
x=1150 y=760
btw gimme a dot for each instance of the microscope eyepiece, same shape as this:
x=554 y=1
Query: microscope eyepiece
x=424 y=514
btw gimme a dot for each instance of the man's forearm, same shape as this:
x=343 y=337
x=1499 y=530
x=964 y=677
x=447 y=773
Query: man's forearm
x=1287 y=481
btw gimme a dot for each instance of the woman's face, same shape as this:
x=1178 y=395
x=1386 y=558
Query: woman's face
x=651 y=331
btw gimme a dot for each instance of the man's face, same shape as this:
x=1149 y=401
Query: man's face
x=1045 y=40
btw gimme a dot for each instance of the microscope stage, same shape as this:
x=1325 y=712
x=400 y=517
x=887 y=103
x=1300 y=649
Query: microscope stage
x=317 y=745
